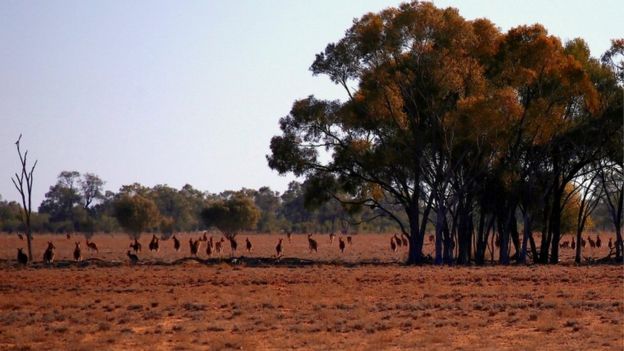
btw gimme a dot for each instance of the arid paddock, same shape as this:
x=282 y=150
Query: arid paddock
x=159 y=305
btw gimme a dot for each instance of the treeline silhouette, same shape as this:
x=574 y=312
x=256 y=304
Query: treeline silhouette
x=78 y=203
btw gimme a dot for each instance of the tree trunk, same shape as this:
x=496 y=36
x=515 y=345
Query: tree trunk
x=577 y=256
x=425 y=216
x=440 y=219
x=28 y=230
x=619 y=245
x=515 y=236
x=464 y=232
x=533 y=248
x=482 y=238
x=29 y=241
x=450 y=243
x=447 y=254
x=494 y=228
x=526 y=218
x=555 y=226
x=416 y=238
x=504 y=229
x=580 y=225
x=545 y=241
x=617 y=221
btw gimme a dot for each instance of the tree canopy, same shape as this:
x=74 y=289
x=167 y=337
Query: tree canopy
x=444 y=113
x=136 y=213
x=231 y=215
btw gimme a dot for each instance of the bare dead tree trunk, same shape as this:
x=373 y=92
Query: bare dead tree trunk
x=23 y=183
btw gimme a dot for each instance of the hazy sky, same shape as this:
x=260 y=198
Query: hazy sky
x=176 y=92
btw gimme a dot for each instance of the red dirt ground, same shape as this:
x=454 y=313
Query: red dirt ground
x=383 y=306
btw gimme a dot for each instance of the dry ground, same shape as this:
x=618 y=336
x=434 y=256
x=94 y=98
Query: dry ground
x=369 y=307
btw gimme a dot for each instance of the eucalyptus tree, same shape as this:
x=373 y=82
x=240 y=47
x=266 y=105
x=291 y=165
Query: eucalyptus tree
x=412 y=66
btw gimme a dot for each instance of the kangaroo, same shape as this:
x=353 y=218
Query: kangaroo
x=592 y=244
x=248 y=245
x=20 y=236
x=204 y=237
x=209 y=247
x=91 y=246
x=393 y=246
x=133 y=258
x=211 y=241
x=598 y=241
x=153 y=245
x=349 y=240
x=22 y=258
x=288 y=235
x=583 y=242
x=77 y=252
x=194 y=246
x=278 y=248
x=136 y=246
x=398 y=241
x=68 y=236
x=341 y=245
x=176 y=243
x=332 y=236
x=233 y=244
x=312 y=245
x=48 y=255
x=573 y=244
x=218 y=247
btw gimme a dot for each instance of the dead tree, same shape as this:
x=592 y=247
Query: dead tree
x=23 y=183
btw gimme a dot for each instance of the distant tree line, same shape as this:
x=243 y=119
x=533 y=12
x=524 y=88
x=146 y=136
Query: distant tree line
x=79 y=203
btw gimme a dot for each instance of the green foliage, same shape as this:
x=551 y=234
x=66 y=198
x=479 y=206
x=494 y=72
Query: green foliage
x=166 y=225
x=10 y=216
x=70 y=203
x=174 y=205
x=136 y=213
x=91 y=189
x=268 y=202
x=231 y=215
x=62 y=197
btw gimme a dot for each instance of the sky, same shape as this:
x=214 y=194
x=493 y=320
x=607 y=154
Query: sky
x=177 y=92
